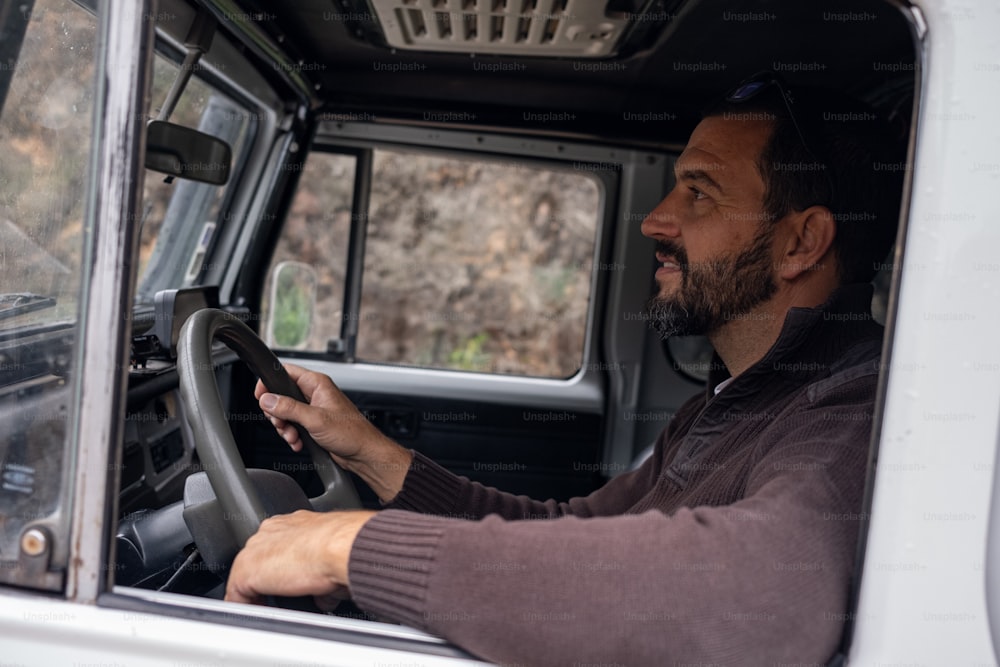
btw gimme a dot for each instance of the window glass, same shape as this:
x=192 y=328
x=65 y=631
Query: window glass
x=45 y=142
x=180 y=218
x=47 y=88
x=476 y=265
x=470 y=265
x=315 y=232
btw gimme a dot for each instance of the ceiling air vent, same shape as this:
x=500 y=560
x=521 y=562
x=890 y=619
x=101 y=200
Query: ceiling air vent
x=576 y=28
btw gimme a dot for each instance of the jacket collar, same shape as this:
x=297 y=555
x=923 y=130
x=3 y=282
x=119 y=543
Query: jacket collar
x=844 y=316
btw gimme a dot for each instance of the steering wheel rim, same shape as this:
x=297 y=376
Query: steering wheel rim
x=214 y=439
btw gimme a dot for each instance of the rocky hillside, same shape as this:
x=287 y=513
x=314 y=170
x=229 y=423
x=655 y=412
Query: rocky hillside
x=470 y=265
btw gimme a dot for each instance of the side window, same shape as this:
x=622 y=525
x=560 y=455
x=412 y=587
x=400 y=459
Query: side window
x=315 y=232
x=470 y=264
x=47 y=100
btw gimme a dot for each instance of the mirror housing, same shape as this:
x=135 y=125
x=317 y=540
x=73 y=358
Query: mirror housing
x=186 y=153
x=291 y=303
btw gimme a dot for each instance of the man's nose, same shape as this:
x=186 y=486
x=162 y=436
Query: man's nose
x=661 y=222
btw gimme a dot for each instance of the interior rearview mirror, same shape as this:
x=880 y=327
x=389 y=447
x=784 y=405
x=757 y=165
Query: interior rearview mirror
x=292 y=300
x=186 y=153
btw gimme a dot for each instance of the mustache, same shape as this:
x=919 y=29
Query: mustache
x=671 y=249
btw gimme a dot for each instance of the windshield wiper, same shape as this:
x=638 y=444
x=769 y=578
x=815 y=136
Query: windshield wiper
x=14 y=304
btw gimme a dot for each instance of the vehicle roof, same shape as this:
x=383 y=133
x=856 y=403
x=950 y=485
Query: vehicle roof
x=678 y=69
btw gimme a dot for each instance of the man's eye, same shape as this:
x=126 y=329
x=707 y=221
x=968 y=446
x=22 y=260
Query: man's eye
x=698 y=194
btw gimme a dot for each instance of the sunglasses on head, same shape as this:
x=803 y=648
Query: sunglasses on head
x=750 y=88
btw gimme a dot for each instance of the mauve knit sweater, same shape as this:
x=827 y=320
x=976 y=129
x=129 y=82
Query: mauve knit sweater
x=732 y=545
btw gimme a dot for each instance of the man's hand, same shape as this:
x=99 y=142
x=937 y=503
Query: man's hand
x=329 y=416
x=339 y=428
x=304 y=553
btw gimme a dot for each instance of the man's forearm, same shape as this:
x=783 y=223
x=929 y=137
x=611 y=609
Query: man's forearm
x=383 y=468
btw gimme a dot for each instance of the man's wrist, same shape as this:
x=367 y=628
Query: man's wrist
x=386 y=470
x=342 y=541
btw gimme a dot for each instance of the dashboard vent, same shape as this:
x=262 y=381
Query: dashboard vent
x=572 y=28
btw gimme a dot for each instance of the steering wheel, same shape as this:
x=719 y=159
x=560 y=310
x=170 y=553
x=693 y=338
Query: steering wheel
x=236 y=494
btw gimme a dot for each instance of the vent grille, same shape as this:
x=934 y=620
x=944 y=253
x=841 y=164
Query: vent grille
x=579 y=28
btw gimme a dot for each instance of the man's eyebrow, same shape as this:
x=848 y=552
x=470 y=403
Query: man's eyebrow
x=700 y=176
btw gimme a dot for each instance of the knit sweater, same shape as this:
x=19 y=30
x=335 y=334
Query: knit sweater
x=733 y=544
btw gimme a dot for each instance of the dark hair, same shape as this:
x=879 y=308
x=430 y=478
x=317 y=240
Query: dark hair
x=851 y=150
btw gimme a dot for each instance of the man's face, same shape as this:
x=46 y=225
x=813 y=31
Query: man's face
x=714 y=243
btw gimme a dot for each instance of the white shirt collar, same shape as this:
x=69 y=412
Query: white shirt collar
x=722 y=385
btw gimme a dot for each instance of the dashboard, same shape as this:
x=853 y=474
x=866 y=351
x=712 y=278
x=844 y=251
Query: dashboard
x=158 y=449
x=154 y=547
x=158 y=454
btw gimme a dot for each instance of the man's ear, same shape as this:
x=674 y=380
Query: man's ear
x=809 y=243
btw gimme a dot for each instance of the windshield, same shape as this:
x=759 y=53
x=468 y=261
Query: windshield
x=180 y=219
x=44 y=137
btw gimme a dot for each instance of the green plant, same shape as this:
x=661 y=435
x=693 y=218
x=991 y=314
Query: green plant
x=469 y=356
x=291 y=312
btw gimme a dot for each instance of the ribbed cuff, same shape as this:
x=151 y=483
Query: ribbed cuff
x=391 y=562
x=428 y=488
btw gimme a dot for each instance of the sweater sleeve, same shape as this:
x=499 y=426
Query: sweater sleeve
x=431 y=489
x=760 y=581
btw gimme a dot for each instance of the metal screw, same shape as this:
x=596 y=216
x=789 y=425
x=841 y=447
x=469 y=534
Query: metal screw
x=34 y=542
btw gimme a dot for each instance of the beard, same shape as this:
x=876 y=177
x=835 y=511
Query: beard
x=715 y=292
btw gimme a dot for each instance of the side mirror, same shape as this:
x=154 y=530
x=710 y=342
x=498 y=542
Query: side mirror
x=180 y=151
x=291 y=302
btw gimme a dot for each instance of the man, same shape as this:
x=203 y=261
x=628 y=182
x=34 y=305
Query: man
x=734 y=542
